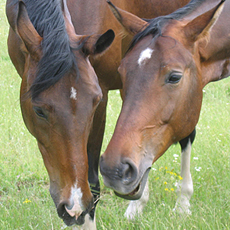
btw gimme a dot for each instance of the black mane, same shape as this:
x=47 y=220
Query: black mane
x=156 y=24
x=58 y=58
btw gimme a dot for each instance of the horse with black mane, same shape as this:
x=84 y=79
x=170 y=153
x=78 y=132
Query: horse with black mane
x=169 y=62
x=59 y=94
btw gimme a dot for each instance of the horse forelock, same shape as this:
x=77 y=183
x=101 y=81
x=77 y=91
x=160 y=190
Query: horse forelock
x=57 y=58
x=156 y=24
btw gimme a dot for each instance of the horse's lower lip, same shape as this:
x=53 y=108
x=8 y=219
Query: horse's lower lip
x=137 y=192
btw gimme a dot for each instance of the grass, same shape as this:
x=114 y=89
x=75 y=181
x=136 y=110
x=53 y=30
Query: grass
x=25 y=202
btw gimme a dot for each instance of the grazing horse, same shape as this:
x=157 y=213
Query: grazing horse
x=59 y=94
x=163 y=73
x=106 y=65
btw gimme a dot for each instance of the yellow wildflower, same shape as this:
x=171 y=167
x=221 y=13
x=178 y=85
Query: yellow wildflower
x=26 y=201
x=165 y=182
x=172 y=189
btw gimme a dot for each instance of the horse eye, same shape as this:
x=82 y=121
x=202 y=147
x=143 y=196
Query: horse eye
x=39 y=112
x=174 y=78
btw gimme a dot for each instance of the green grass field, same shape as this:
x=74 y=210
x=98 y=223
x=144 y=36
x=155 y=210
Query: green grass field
x=25 y=202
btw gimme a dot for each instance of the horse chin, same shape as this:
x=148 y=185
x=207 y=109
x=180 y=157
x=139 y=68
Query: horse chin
x=137 y=192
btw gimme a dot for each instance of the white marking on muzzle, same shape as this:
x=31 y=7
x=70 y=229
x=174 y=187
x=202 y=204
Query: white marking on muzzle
x=145 y=55
x=76 y=206
x=73 y=93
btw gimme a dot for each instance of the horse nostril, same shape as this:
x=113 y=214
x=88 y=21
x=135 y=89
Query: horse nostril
x=62 y=213
x=129 y=172
x=125 y=171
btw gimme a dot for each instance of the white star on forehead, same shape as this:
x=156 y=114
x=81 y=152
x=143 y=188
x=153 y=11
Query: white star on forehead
x=73 y=93
x=145 y=55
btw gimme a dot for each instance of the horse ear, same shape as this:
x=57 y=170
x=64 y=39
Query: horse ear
x=68 y=21
x=27 y=32
x=93 y=44
x=201 y=26
x=131 y=23
x=96 y=44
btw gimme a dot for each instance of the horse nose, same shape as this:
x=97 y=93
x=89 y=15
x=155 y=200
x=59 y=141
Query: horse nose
x=71 y=216
x=63 y=214
x=129 y=171
x=125 y=171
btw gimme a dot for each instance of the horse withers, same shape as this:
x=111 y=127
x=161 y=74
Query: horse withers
x=169 y=62
x=59 y=95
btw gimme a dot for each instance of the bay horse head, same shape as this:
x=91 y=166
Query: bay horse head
x=162 y=91
x=59 y=94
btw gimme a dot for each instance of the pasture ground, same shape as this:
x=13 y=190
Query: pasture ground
x=25 y=202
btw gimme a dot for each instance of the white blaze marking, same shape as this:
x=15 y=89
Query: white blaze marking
x=145 y=55
x=73 y=93
x=75 y=200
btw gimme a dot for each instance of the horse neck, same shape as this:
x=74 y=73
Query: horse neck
x=90 y=14
x=96 y=15
x=153 y=8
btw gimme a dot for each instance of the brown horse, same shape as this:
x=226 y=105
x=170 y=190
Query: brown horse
x=106 y=65
x=59 y=94
x=163 y=73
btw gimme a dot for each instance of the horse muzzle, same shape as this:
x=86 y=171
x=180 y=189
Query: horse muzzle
x=71 y=215
x=126 y=180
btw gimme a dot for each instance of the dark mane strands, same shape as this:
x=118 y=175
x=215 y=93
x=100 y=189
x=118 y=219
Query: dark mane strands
x=156 y=24
x=57 y=59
